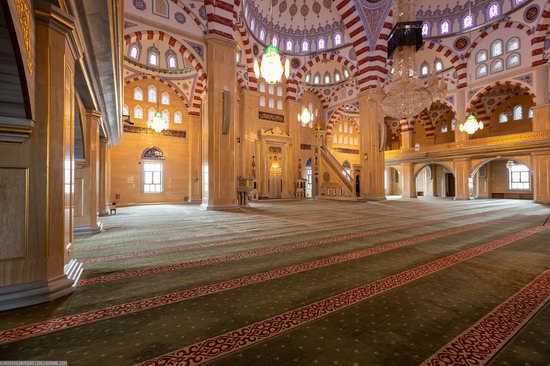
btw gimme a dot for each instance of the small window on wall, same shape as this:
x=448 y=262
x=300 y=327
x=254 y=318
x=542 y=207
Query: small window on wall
x=481 y=71
x=335 y=139
x=165 y=98
x=321 y=44
x=337 y=76
x=445 y=27
x=271 y=89
x=152 y=94
x=252 y=25
x=513 y=60
x=346 y=73
x=152 y=177
x=305 y=46
x=279 y=104
x=337 y=39
x=271 y=103
x=497 y=66
x=496 y=48
x=327 y=78
x=503 y=117
x=518 y=112
x=153 y=59
x=494 y=11
x=279 y=91
x=424 y=69
x=262 y=35
x=519 y=176
x=138 y=94
x=453 y=124
x=262 y=101
x=530 y=113
x=340 y=139
x=166 y=116
x=134 y=52
x=468 y=21
x=171 y=60
x=262 y=88
x=138 y=112
x=425 y=29
x=178 y=118
x=238 y=57
x=125 y=110
x=317 y=79
x=289 y=46
x=481 y=56
x=151 y=113
x=438 y=65
x=444 y=128
x=340 y=127
x=308 y=77
x=512 y=44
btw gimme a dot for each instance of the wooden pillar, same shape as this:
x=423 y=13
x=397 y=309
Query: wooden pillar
x=195 y=159
x=463 y=181
x=408 y=139
x=541 y=174
x=372 y=159
x=218 y=146
x=409 y=180
x=541 y=111
x=36 y=177
x=87 y=180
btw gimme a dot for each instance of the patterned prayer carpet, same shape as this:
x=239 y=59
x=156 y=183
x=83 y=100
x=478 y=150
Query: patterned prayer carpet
x=313 y=282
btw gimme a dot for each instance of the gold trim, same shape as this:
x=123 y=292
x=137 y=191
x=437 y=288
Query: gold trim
x=16 y=131
x=27 y=197
x=24 y=13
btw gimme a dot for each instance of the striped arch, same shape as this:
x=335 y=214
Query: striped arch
x=221 y=16
x=337 y=113
x=186 y=51
x=318 y=93
x=540 y=36
x=477 y=104
x=448 y=104
x=450 y=55
x=426 y=122
x=376 y=68
x=240 y=80
x=358 y=36
x=300 y=75
x=189 y=12
x=346 y=85
x=243 y=31
x=136 y=77
x=291 y=89
x=508 y=25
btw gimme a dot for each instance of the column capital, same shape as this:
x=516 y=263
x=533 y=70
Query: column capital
x=214 y=38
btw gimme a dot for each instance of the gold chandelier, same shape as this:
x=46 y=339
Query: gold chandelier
x=271 y=67
x=405 y=95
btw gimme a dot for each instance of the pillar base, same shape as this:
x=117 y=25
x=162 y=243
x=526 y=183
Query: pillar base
x=88 y=230
x=542 y=202
x=196 y=201
x=31 y=293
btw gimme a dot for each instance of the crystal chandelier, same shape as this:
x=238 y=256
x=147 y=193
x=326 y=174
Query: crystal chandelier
x=157 y=123
x=405 y=95
x=471 y=125
x=307 y=115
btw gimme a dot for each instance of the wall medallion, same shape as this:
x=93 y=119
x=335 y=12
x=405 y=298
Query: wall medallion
x=461 y=43
x=255 y=49
x=295 y=63
x=531 y=13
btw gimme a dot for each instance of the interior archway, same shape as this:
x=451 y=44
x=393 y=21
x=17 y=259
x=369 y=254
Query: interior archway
x=503 y=178
x=435 y=180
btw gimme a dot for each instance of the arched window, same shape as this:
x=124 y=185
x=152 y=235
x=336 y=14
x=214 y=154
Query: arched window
x=289 y=45
x=279 y=91
x=518 y=2
x=172 y=62
x=518 y=112
x=308 y=77
x=481 y=56
x=238 y=57
x=513 y=60
x=262 y=88
x=468 y=21
x=153 y=57
x=481 y=70
x=438 y=64
x=166 y=116
x=424 y=69
x=178 y=118
x=335 y=139
x=133 y=52
x=340 y=139
x=271 y=103
x=337 y=76
x=152 y=94
x=494 y=11
x=321 y=44
x=262 y=101
x=165 y=98
x=138 y=112
x=125 y=110
x=444 y=128
x=262 y=35
x=346 y=73
x=340 y=127
x=512 y=44
x=327 y=78
x=345 y=127
x=317 y=78
x=279 y=104
x=275 y=41
x=151 y=113
x=425 y=29
x=305 y=46
x=138 y=94
x=152 y=170
x=453 y=124
x=530 y=113
x=445 y=27
x=496 y=48
x=337 y=39
x=271 y=89
x=497 y=66
x=503 y=117
x=252 y=25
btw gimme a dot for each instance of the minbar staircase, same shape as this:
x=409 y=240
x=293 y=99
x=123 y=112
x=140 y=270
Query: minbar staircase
x=341 y=185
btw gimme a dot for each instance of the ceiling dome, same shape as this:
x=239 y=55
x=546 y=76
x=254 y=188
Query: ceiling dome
x=294 y=17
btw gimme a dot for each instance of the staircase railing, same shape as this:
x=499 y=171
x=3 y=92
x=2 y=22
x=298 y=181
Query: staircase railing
x=338 y=169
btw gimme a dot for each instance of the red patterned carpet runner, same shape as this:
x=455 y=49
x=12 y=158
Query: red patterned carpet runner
x=478 y=344
x=232 y=341
x=70 y=321
x=259 y=252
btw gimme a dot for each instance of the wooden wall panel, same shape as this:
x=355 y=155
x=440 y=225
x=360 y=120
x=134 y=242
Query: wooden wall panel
x=14 y=185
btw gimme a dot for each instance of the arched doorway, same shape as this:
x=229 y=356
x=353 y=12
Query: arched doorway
x=309 y=179
x=435 y=180
x=393 y=182
x=503 y=179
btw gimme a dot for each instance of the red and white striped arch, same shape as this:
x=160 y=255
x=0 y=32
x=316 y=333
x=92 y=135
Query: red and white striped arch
x=323 y=57
x=337 y=113
x=317 y=92
x=221 y=16
x=453 y=58
x=189 y=12
x=540 y=36
x=243 y=31
x=426 y=122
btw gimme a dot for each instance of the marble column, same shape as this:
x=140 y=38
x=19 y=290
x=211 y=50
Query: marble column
x=36 y=177
x=463 y=181
x=541 y=111
x=541 y=174
x=195 y=159
x=250 y=104
x=293 y=108
x=218 y=148
x=371 y=121
x=87 y=180
x=461 y=105
x=408 y=139
x=409 y=180
x=103 y=195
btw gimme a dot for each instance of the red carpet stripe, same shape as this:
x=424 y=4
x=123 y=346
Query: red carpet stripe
x=259 y=252
x=69 y=321
x=252 y=334
x=478 y=344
